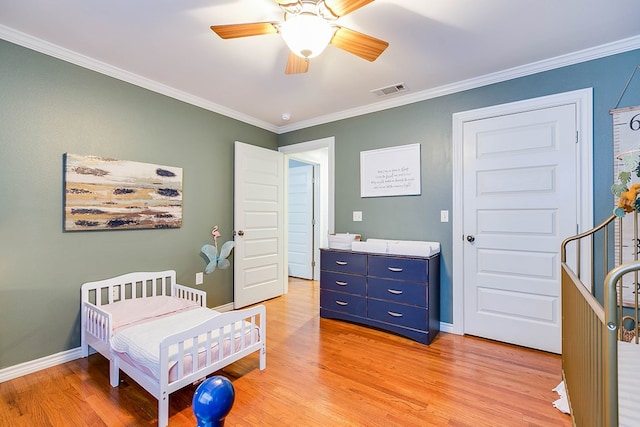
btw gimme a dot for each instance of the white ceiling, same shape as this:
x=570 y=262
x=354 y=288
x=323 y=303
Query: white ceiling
x=435 y=46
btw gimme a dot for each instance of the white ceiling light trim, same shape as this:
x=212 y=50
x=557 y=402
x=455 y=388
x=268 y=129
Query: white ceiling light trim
x=306 y=29
x=307 y=35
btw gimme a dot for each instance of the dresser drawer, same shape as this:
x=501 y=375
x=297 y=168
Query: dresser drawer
x=343 y=282
x=344 y=262
x=397 y=268
x=347 y=303
x=397 y=314
x=397 y=291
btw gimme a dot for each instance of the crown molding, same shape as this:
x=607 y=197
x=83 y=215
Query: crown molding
x=597 y=52
x=67 y=55
x=42 y=46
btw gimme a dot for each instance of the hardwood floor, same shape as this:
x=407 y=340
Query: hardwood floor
x=320 y=372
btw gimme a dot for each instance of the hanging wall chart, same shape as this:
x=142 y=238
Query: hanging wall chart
x=626 y=152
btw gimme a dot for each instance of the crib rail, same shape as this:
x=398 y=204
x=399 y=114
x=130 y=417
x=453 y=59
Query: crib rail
x=589 y=236
x=592 y=314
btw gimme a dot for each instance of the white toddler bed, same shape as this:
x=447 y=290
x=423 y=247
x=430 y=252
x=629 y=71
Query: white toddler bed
x=158 y=332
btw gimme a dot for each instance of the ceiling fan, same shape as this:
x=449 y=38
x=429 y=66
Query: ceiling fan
x=308 y=27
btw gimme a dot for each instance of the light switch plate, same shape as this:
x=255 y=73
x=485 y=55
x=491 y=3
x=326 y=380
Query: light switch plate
x=357 y=215
x=444 y=216
x=199 y=278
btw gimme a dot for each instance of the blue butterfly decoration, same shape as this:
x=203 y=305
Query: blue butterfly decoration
x=211 y=253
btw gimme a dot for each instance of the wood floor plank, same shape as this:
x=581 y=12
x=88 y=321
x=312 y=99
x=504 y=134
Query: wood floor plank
x=320 y=372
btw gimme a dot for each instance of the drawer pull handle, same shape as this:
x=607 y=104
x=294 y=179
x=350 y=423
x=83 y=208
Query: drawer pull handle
x=394 y=314
x=339 y=283
x=394 y=291
x=394 y=269
x=341 y=303
x=341 y=262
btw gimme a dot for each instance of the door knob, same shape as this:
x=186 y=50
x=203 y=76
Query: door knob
x=470 y=239
x=240 y=233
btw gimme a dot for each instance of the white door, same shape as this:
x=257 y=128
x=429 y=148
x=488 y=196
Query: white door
x=519 y=200
x=300 y=202
x=258 y=221
x=320 y=153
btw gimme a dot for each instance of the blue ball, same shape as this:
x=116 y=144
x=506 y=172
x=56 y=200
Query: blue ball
x=212 y=401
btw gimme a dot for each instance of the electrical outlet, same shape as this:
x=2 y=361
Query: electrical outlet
x=357 y=215
x=199 y=278
x=115 y=293
x=444 y=216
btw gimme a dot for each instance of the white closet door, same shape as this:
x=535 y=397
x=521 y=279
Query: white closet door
x=520 y=198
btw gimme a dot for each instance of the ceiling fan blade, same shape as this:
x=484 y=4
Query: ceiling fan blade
x=233 y=31
x=362 y=45
x=296 y=64
x=342 y=7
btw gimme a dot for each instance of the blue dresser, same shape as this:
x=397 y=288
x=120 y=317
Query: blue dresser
x=396 y=293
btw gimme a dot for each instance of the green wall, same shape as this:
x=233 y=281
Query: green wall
x=430 y=123
x=49 y=107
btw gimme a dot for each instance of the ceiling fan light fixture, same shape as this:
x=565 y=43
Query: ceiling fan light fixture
x=306 y=35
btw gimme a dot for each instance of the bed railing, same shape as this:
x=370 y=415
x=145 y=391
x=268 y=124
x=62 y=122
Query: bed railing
x=591 y=319
x=95 y=322
x=131 y=285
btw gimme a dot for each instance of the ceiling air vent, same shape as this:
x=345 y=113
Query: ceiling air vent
x=390 y=90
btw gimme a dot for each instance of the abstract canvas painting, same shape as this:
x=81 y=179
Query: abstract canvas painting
x=109 y=194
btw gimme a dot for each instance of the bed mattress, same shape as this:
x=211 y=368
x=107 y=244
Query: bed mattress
x=139 y=326
x=628 y=384
x=141 y=342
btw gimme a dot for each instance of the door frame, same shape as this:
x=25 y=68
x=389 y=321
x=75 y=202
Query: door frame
x=583 y=99
x=289 y=151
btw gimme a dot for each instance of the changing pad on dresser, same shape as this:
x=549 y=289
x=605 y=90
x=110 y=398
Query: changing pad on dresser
x=397 y=247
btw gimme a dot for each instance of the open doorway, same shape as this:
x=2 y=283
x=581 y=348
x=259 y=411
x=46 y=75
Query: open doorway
x=302 y=209
x=320 y=154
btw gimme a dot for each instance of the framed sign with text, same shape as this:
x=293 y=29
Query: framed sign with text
x=393 y=171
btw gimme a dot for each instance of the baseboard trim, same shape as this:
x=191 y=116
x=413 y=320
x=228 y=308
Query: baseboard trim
x=223 y=308
x=446 y=327
x=32 y=366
